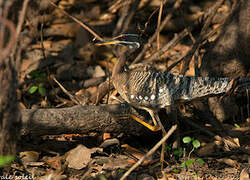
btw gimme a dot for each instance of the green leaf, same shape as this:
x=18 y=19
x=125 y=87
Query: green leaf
x=120 y=170
x=178 y=152
x=186 y=139
x=236 y=125
x=189 y=162
x=6 y=159
x=34 y=74
x=40 y=85
x=42 y=75
x=194 y=176
x=42 y=91
x=196 y=143
x=182 y=164
x=102 y=177
x=176 y=170
x=167 y=148
x=33 y=89
x=200 y=161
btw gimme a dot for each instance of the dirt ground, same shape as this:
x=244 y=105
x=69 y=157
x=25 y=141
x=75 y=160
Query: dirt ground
x=61 y=67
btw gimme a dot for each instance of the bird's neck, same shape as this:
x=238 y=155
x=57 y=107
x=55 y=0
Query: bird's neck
x=119 y=65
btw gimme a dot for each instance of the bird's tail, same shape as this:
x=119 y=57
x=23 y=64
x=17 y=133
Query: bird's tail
x=237 y=86
x=241 y=85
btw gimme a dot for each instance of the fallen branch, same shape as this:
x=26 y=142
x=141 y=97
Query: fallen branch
x=81 y=119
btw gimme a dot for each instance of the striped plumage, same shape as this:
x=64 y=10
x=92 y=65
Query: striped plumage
x=153 y=89
x=148 y=89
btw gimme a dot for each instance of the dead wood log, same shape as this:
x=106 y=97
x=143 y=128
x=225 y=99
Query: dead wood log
x=81 y=119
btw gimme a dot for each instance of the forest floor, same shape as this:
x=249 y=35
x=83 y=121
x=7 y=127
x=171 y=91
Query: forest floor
x=61 y=61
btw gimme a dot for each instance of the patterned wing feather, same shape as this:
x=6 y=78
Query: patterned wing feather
x=157 y=89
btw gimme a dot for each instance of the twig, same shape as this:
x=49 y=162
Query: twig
x=5 y=52
x=169 y=45
x=170 y=132
x=119 y=25
x=16 y=52
x=75 y=100
x=248 y=109
x=117 y=5
x=164 y=22
x=126 y=17
x=4 y=12
x=149 y=19
x=131 y=14
x=190 y=53
x=201 y=38
x=85 y=26
x=21 y=18
x=158 y=25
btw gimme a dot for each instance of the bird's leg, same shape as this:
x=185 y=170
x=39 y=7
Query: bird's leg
x=156 y=120
x=147 y=125
x=157 y=126
x=154 y=128
x=134 y=117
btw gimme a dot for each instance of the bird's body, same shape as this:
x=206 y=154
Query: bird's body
x=147 y=87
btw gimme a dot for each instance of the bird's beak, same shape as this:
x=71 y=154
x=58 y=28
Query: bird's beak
x=105 y=43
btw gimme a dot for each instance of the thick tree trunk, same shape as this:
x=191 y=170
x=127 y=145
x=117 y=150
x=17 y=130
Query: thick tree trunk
x=9 y=112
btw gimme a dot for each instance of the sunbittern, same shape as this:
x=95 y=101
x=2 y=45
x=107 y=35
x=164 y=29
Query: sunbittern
x=146 y=88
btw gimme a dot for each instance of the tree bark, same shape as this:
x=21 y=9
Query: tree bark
x=82 y=120
x=9 y=112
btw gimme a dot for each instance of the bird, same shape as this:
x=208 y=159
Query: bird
x=146 y=88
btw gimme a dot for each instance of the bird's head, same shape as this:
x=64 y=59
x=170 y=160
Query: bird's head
x=131 y=41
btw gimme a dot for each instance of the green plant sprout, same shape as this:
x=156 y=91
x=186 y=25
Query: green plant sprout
x=178 y=152
x=40 y=88
x=36 y=75
x=236 y=125
x=176 y=170
x=102 y=177
x=168 y=148
x=6 y=159
x=195 y=144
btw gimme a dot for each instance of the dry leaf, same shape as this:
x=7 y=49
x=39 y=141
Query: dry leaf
x=80 y=156
x=206 y=150
x=29 y=156
x=55 y=162
x=228 y=161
